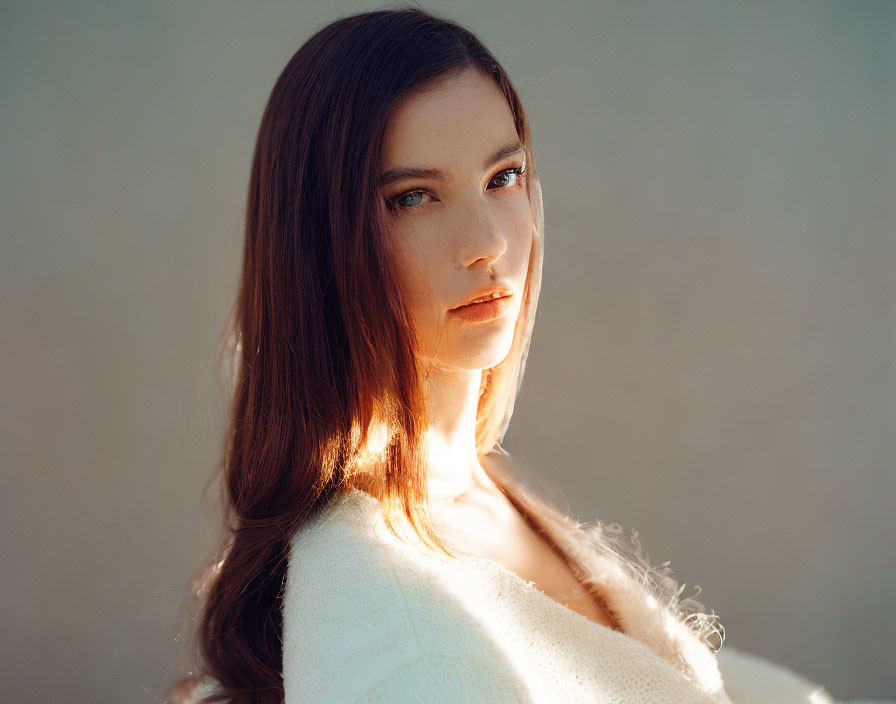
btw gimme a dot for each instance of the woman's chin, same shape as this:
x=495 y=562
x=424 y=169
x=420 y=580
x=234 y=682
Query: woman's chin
x=475 y=358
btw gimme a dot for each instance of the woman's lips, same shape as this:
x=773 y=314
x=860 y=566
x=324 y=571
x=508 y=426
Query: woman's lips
x=486 y=310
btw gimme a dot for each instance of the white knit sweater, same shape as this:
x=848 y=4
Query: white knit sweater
x=370 y=618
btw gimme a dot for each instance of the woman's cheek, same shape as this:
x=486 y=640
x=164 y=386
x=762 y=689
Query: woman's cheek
x=522 y=228
x=414 y=274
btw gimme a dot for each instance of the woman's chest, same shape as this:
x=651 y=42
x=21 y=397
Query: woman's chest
x=495 y=530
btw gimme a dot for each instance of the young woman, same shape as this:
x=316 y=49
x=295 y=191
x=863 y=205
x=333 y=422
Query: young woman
x=379 y=544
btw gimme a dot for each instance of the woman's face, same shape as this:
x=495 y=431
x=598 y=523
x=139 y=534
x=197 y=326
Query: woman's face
x=449 y=229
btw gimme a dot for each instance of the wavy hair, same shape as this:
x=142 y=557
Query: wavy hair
x=321 y=352
x=326 y=384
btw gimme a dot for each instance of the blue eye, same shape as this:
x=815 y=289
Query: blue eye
x=508 y=178
x=418 y=194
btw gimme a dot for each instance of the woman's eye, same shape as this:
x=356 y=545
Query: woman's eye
x=514 y=175
x=507 y=178
x=402 y=202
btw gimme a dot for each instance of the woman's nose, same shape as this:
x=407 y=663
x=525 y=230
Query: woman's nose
x=483 y=236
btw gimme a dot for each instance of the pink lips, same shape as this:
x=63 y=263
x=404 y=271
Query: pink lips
x=484 y=311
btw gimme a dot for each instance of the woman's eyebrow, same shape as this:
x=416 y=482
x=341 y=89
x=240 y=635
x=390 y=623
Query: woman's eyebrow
x=401 y=173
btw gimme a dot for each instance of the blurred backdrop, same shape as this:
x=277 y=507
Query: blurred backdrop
x=713 y=363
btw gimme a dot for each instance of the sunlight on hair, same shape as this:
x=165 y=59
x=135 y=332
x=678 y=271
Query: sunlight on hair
x=374 y=447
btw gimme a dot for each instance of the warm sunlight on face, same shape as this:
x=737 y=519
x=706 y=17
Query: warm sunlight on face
x=457 y=209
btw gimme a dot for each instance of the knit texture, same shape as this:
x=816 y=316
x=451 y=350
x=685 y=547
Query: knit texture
x=371 y=618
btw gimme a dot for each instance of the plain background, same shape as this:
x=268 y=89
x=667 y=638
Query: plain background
x=713 y=363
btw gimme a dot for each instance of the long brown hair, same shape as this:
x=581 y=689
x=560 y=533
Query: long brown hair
x=326 y=384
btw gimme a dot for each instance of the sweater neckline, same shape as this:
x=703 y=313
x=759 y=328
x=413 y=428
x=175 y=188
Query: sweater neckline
x=515 y=581
x=509 y=575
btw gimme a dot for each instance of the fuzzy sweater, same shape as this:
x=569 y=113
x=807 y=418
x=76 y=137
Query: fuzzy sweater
x=369 y=618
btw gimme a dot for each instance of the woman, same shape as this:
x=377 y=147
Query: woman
x=379 y=546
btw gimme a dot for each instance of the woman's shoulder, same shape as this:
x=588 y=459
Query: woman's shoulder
x=355 y=595
x=346 y=559
x=750 y=679
x=345 y=544
x=339 y=568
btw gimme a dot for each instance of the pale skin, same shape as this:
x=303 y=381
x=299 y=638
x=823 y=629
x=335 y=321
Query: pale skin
x=449 y=235
x=446 y=235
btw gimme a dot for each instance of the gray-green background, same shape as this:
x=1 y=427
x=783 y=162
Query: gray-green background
x=713 y=363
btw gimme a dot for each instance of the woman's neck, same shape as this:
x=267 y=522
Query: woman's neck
x=453 y=468
x=452 y=462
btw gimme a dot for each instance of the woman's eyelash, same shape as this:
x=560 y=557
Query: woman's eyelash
x=520 y=171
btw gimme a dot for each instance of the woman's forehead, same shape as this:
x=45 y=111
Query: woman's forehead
x=457 y=122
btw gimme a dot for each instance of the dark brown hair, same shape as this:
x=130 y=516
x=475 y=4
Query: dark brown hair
x=325 y=380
